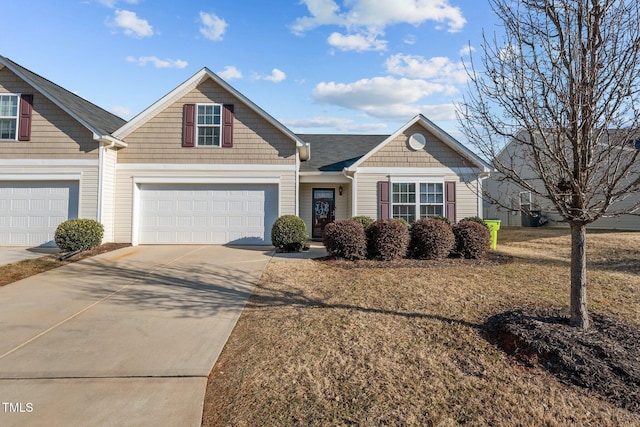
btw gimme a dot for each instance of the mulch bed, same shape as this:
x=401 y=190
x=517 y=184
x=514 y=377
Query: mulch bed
x=604 y=359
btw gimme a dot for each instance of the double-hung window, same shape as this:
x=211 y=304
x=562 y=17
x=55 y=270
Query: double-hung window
x=209 y=124
x=8 y=116
x=414 y=200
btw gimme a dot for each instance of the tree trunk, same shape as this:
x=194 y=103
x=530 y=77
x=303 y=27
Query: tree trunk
x=579 y=314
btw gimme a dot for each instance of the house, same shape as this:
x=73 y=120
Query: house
x=516 y=206
x=206 y=165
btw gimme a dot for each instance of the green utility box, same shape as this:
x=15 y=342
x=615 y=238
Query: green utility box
x=494 y=226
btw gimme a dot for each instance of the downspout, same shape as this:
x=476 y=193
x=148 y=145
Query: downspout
x=481 y=177
x=354 y=202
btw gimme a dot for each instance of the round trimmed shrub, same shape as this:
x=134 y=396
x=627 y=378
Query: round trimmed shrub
x=345 y=238
x=78 y=234
x=475 y=219
x=431 y=239
x=364 y=220
x=387 y=239
x=472 y=239
x=441 y=218
x=289 y=233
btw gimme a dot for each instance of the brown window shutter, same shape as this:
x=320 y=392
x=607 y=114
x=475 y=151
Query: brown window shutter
x=383 y=199
x=450 y=198
x=227 y=125
x=188 y=125
x=25 y=112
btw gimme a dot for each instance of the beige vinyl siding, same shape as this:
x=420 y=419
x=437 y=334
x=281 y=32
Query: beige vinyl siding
x=54 y=133
x=125 y=179
x=255 y=140
x=88 y=197
x=397 y=153
x=466 y=193
x=110 y=157
x=343 y=203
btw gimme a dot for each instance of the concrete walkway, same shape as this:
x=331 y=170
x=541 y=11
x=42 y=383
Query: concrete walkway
x=125 y=338
x=9 y=254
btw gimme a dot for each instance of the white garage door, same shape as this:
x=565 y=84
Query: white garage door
x=31 y=211
x=207 y=214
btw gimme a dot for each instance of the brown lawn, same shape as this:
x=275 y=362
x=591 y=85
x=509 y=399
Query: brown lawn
x=340 y=343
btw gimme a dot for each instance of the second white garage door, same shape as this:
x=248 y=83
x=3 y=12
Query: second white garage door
x=207 y=214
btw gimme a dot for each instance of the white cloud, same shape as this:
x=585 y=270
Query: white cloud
x=357 y=42
x=379 y=91
x=404 y=112
x=213 y=27
x=439 y=68
x=340 y=124
x=229 y=73
x=121 y=111
x=375 y=14
x=276 y=76
x=410 y=39
x=466 y=50
x=157 y=62
x=131 y=25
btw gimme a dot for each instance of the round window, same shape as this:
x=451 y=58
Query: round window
x=417 y=141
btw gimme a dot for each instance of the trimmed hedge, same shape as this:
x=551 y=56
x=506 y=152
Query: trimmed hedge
x=345 y=238
x=475 y=219
x=289 y=233
x=431 y=239
x=472 y=239
x=364 y=220
x=387 y=239
x=78 y=234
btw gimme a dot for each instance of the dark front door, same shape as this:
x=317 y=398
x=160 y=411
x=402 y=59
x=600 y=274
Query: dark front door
x=324 y=202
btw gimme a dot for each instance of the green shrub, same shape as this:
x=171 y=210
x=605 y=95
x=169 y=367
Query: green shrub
x=364 y=220
x=78 y=234
x=345 y=238
x=441 y=218
x=403 y=222
x=387 y=239
x=472 y=239
x=431 y=239
x=289 y=233
x=475 y=219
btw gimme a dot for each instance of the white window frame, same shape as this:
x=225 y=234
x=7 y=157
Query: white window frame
x=216 y=143
x=417 y=181
x=16 y=117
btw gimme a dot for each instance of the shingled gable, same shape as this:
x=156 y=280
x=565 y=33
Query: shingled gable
x=190 y=84
x=438 y=133
x=100 y=122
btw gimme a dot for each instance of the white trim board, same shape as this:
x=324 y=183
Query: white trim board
x=204 y=180
x=48 y=162
x=419 y=171
x=203 y=167
x=40 y=177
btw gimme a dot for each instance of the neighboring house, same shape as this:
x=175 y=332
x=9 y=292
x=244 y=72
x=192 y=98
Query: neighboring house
x=516 y=206
x=204 y=164
x=56 y=156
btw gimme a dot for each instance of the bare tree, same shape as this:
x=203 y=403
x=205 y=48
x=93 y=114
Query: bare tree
x=561 y=84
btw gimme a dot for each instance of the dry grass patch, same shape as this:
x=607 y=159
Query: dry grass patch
x=13 y=272
x=338 y=343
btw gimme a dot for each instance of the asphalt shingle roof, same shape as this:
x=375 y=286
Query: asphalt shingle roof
x=333 y=152
x=100 y=120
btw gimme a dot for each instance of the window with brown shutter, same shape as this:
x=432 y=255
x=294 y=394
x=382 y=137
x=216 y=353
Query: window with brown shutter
x=188 y=125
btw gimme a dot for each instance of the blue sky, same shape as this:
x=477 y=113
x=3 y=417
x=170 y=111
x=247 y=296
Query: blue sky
x=318 y=66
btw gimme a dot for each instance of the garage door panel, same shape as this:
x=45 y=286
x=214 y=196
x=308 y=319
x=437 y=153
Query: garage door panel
x=30 y=211
x=207 y=214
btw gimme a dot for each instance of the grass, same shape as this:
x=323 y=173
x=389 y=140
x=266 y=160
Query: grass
x=341 y=343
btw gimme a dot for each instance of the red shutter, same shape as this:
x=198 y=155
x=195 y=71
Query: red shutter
x=383 y=199
x=188 y=125
x=24 y=113
x=227 y=125
x=450 y=198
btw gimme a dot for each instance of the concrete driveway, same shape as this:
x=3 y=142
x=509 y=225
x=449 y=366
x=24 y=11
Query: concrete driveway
x=125 y=338
x=9 y=254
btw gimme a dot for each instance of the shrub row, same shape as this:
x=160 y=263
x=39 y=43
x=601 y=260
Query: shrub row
x=389 y=239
